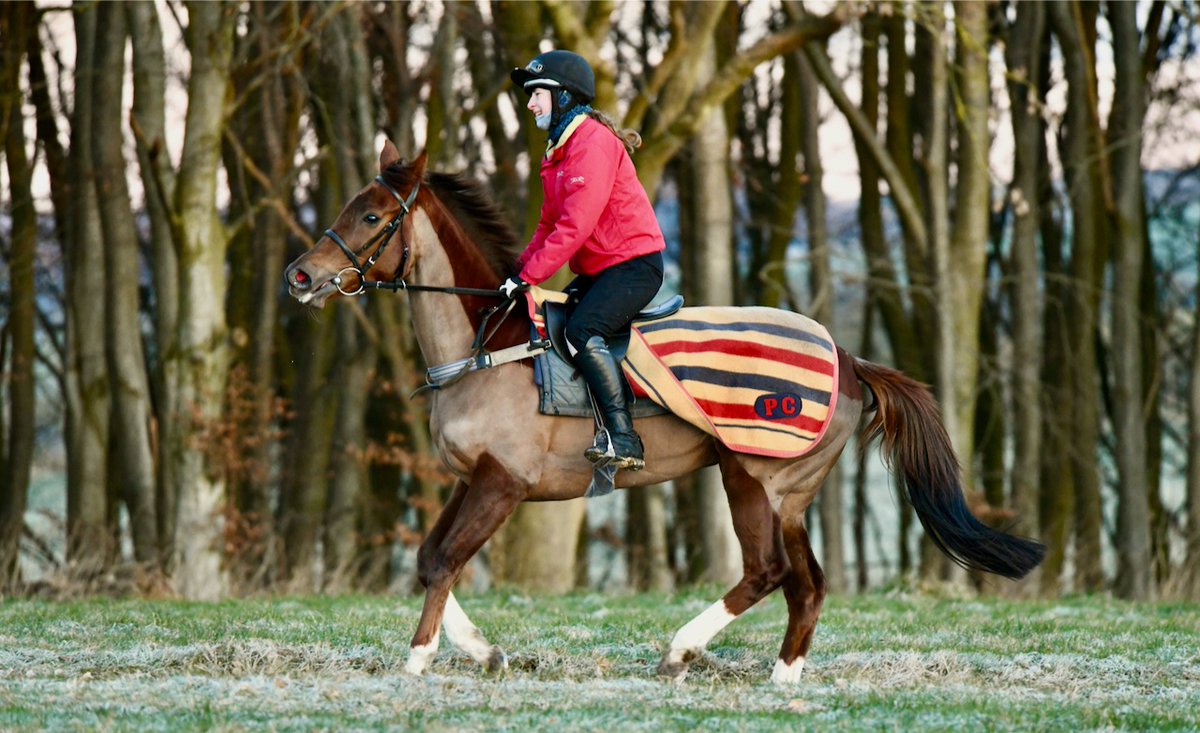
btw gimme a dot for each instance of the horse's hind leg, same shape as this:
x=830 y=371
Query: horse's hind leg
x=764 y=564
x=486 y=502
x=804 y=588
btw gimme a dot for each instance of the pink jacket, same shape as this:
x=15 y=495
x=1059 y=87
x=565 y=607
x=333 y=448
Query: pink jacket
x=596 y=213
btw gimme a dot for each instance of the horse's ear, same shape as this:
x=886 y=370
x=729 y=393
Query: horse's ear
x=388 y=155
x=418 y=165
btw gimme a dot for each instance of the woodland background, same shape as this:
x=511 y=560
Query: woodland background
x=1014 y=219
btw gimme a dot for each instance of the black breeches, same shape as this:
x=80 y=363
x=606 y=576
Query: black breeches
x=609 y=301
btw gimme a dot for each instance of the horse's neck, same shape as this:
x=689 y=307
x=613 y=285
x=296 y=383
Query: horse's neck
x=443 y=330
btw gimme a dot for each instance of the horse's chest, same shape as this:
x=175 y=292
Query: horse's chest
x=464 y=431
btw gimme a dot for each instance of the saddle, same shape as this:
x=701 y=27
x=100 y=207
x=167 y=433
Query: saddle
x=563 y=392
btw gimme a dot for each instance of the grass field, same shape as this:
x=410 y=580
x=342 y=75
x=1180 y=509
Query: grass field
x=586 y=662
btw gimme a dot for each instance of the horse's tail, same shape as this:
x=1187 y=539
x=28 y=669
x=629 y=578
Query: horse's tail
x=916 y=444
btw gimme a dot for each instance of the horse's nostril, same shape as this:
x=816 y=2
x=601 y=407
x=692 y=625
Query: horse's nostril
x=301 y=278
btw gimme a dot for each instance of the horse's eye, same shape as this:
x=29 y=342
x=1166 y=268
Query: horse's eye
x=371 y=219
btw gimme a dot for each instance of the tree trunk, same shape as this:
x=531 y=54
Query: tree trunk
x=306 y=466
x=861 y=510
x=158 y=183
x=203 y=354
x=786 y=194
x=1056 y=493
x=1134 y=568
x=912 y=131
x=715 y=268
x=89 y=545
x=935 y=304
x=1024 y=55
x=883 y=286
x=961 y=292
x=16 y=458
x=261 y=145
x=337 y=87
x=348 y=482
x=883 y=290
x=1192 y=561
x=991 y=420
x=540 y=546
x=821 y=308
x=444 y=108
x=131 y=408
x=1081 y=161
x=1150 y=325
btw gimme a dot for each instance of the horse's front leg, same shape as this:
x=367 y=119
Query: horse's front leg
x=479 y=508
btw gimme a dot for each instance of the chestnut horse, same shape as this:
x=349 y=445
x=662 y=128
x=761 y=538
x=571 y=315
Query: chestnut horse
x=441 y=237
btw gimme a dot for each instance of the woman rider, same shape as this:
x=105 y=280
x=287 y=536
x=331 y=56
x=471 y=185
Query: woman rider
x=597 y=217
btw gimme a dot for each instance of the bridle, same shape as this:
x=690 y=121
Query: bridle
x=384 y=237
x=397 y=283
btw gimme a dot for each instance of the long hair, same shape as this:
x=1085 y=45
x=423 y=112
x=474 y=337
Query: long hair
x=628 y=135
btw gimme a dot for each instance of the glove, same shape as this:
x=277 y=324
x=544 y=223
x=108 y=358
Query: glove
x=513 y=285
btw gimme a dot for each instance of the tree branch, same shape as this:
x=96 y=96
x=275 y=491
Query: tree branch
x=732 y=75
x=674 y=56
x=905 y=200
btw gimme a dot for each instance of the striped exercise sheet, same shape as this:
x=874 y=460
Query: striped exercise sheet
x=761 y=380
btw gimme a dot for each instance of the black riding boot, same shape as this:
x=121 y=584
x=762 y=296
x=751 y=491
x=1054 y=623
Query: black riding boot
x=604 y=378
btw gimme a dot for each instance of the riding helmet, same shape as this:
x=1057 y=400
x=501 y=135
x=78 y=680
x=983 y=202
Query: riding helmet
x=555 y=69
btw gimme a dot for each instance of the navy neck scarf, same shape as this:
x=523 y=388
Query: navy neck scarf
x=564 y=119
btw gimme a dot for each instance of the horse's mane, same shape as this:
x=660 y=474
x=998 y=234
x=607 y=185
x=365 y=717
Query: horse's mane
x=472 y=207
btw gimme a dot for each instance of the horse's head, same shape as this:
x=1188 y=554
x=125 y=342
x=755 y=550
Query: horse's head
x=366 y=240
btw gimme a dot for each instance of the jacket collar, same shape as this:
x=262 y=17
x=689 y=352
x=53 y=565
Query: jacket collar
x=572 y=126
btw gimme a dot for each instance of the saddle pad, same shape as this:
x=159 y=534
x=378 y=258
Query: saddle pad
x=761 y=380
x=562 y=391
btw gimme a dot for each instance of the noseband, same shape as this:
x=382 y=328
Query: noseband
x=383 y=237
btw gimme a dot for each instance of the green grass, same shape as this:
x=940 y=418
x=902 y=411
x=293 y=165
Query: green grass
x=586 y=662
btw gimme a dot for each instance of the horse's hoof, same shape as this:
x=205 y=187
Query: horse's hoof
x=419 y=658
x=674 y=664
x=497 y=661
x=786 y=675
x=414 y=667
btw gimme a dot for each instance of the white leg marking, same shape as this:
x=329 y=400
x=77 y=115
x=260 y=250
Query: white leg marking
x=463 y=634
x=420 y=655
x=696 y=634
x=787 y=674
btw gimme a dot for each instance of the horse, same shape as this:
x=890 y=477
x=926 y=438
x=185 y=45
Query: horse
x=455 y=248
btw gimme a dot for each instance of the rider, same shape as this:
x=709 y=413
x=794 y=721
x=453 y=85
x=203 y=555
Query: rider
x=597 y=216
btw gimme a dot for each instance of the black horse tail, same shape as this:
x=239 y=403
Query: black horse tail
x=915 y=444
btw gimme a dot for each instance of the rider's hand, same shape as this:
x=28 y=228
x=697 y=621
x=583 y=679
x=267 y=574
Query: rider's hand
x=513 y=285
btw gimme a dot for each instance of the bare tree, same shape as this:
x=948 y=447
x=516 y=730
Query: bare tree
x=1024 y=56
x=16 y=456
x=714 y=273
x=1193 y=459
x=1085 y=166
x=821 y=307
x=131 y=407
x=1134 y=570
x=201 y=351
x=148 y=119
x=89 y=541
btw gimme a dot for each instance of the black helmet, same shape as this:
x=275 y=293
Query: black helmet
x=558 y=68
